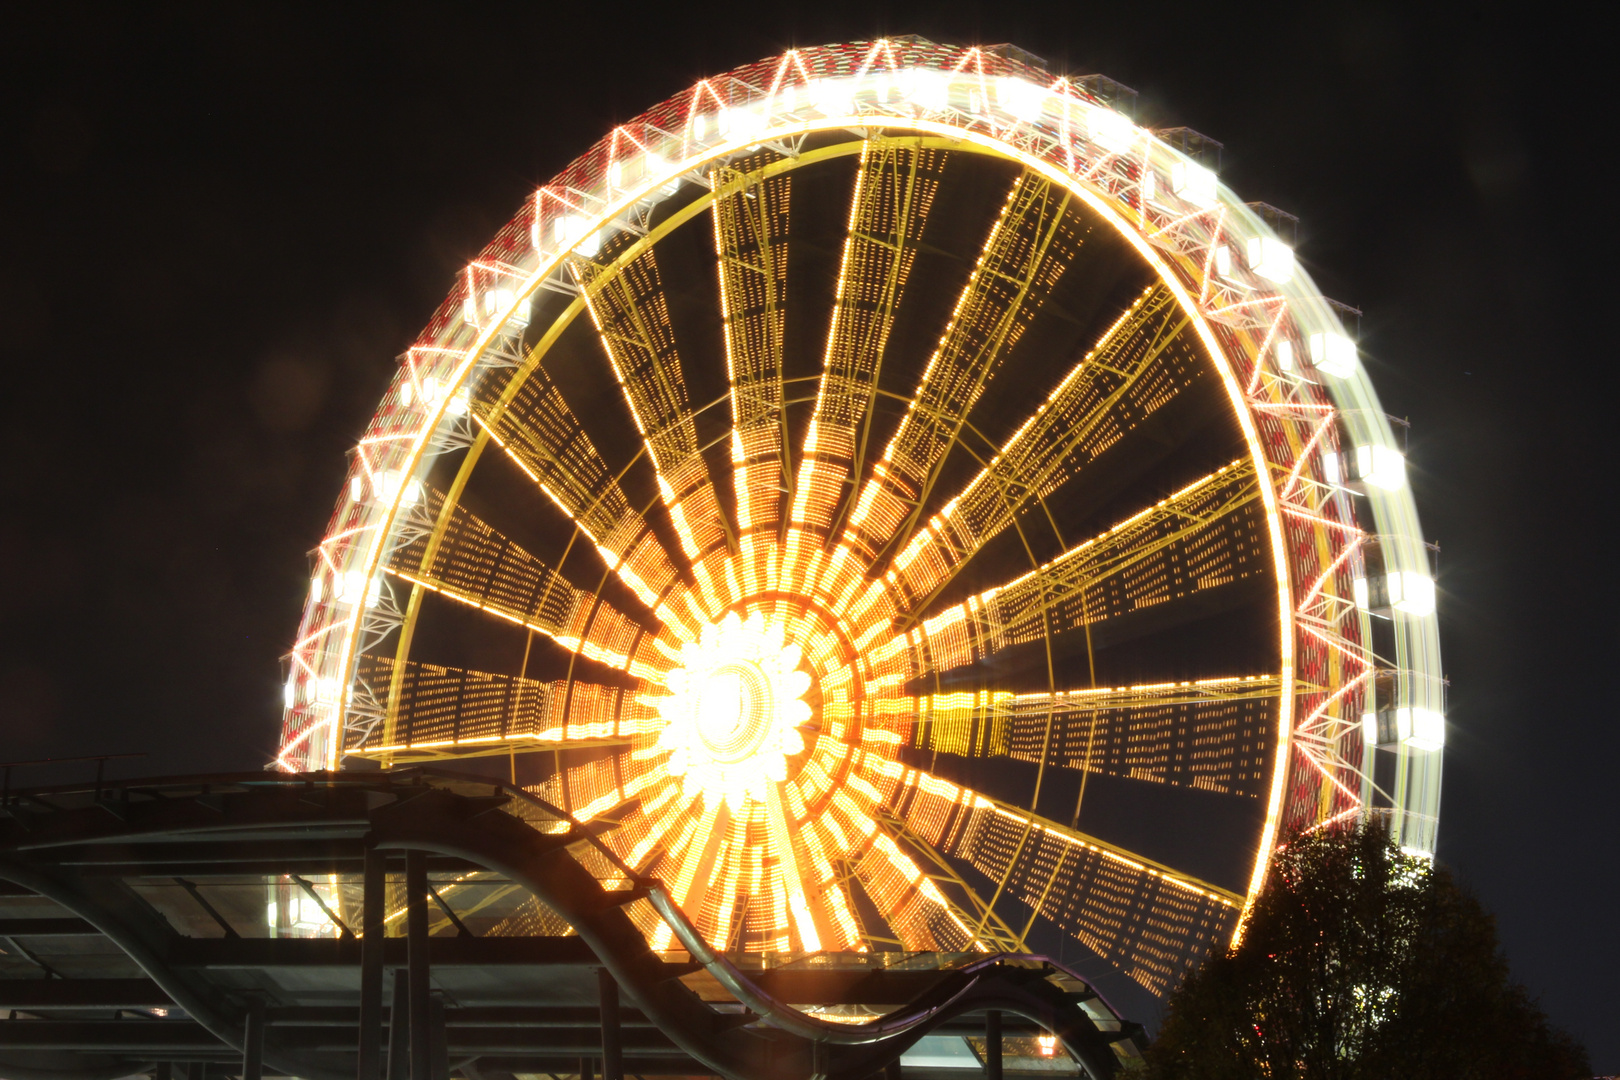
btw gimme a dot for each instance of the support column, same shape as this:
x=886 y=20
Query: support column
x=372 y=931
x=399 y=1028
x=253 y=1042
x=416 y=931
x=992 y=1045
x=439 y=1038
x=612 y=1043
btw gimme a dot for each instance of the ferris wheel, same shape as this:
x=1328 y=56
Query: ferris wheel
x=914 y=506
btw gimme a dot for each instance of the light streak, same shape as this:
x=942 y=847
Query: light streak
x=1317 y=519
x=1321 y=767
x=1336 y=818
x=1335 y=645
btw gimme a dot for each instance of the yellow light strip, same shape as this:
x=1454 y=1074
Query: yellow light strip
x=627 y=306
x=1128 y=361
x=562 y=463
x=782 y=840
x=894 y=191
x=1043 y=600
x=750 y=218
x=967 y=799
x=1025 y=252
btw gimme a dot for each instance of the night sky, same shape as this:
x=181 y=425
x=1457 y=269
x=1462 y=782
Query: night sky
x=217 y=231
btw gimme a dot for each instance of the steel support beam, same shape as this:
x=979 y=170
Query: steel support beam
x=992 y=1045
x=464 y=1035
x=253 y=1041
x=30 y=995
x=398 y=1029
x=209 y=978
x=369 y=1066
x=258 y=953
x=33 y=928
x=612 y=1037
x=438 y=1039
x=416 y=933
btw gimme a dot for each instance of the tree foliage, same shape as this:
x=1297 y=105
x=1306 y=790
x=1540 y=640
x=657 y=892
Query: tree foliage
x=1360 y=962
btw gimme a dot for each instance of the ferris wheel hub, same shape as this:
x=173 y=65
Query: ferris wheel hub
x=731 y=719
x=735 y=706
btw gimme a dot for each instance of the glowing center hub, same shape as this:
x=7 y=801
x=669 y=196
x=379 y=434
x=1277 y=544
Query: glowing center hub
x=732 y=716
x=735 y=709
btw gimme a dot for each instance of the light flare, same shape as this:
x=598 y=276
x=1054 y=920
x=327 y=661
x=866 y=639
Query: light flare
x=732 y=716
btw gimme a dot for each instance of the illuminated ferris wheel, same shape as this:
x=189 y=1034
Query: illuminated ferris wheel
x=914 y=506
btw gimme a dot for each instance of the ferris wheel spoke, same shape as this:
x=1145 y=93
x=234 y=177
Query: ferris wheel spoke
x=1142 y=916
x=791 y=856
x=1210 y=734
x=723 y=915
x=894 y=190
x=445 y=712
x=702 y=842
x=827 y=894
x=1138 y=365
x=1163 y=554
x=588 y=791
x=751 y=255
x=468 y=561
x=967 y=909
x=538 y=432
x=1027 y=250
x=715 y=854
x=916 y=912
x=827 y=840
x=642 y=834
x=627 y=304
x=872 y=932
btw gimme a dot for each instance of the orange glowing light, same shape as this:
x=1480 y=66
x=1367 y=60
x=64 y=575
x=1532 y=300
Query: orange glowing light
x=732 y=714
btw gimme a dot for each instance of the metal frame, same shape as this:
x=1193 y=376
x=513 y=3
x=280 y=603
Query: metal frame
x=287 y=1004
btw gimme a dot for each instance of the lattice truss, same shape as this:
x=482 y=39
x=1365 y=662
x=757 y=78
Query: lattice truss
x=837 y=544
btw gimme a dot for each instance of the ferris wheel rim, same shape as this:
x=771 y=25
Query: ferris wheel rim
x=979 y=142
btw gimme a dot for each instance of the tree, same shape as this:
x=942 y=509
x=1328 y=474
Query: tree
x=1358 y=961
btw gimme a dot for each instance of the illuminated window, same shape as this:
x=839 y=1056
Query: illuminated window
x=1411 y=592
x=1381 y=467
x=1021 y=98
x=1109 y=130
x=1333 y=354
x=1270 y=258
x=1194 y=183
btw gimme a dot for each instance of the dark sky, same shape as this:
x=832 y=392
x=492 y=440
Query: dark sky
x=218 y=229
